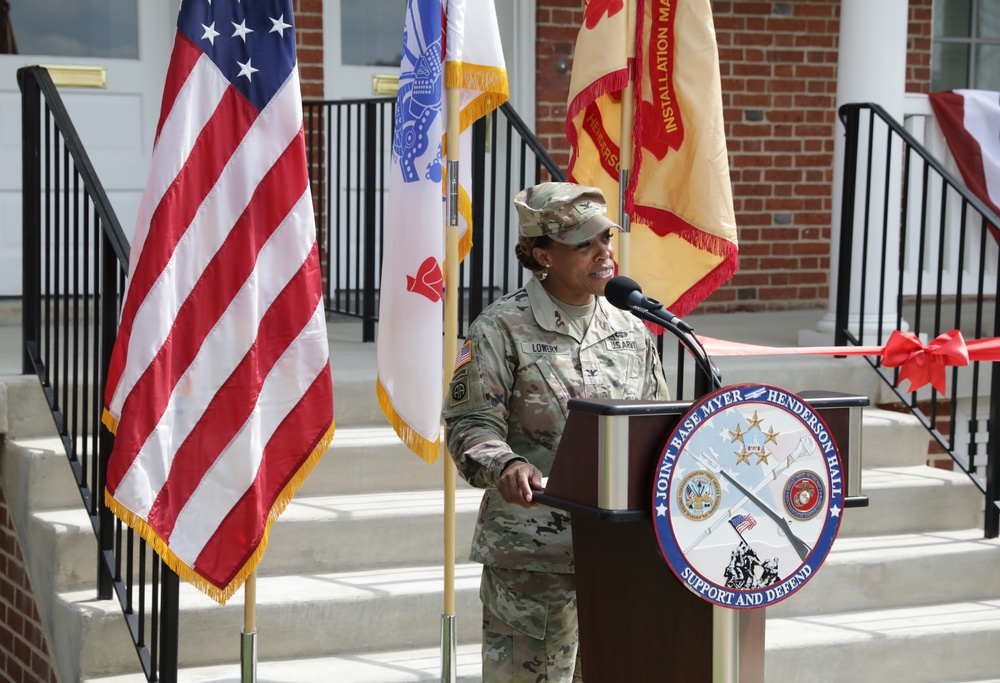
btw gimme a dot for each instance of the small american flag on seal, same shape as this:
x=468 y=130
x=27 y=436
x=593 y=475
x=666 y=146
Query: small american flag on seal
x=464 y=355
x=743 y=522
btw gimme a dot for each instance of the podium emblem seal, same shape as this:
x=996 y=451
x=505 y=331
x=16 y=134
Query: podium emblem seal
x=698 y=495
x=747 y=496
x=804 y=494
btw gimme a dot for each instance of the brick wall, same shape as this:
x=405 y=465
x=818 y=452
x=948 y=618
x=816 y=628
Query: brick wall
x=309 y=39
x=778 y=62
x=778 y=66
x=557 y=23
x=309 y=52
x=918 y=44
x=24 y=651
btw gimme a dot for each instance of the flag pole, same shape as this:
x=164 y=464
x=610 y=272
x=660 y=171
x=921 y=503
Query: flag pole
x=248 y=641
x=625 y=143
x=449 y=645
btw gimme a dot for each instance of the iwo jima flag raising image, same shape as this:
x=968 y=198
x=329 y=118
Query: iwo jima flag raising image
x=679 y=197
x=219 y=390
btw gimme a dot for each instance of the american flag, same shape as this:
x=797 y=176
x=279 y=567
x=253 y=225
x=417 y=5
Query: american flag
x=464 y=355
x=743 y=522
x=219 y=389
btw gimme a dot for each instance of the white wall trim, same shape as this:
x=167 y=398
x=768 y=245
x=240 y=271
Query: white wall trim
x=521 y=76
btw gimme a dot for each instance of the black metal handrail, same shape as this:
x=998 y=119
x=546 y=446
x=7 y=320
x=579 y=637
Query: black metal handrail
x=74 y=266
x=349 y=145
x=927 y=249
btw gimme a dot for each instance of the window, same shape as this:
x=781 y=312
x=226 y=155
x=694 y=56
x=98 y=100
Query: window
x=71 y=28
x=371 y=32
x=966 y=49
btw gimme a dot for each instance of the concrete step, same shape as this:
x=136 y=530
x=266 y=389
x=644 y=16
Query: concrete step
x=914 y=499
x=39 y=469
x=799 y=373
x=375 y=610
x=305 y=616
x=954 y=641
x=892 y=439
x=329 y=533
x=359 y=459
x=25 y=409
x=402 y=666
x=406 y=527
x=409 y=526
x=893 y=571
x=929 y=644
x=371 y=458
x=353 y=364
x=368 y=531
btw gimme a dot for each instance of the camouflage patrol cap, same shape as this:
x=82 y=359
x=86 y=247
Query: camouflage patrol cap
x=566 y=212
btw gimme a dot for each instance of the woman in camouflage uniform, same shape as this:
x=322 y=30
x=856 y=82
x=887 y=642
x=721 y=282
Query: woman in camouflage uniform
x=525 y=356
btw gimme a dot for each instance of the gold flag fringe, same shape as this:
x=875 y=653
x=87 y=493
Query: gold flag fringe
x=109 y=421
x=489 y=81
x=425 y=448
x=189 y=574
x=465 y=208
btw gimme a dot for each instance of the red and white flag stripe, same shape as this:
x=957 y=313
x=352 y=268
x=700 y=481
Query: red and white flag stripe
x=219 y=390
x=970 y=123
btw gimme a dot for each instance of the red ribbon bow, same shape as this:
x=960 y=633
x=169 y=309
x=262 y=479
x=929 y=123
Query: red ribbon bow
x=922 y=364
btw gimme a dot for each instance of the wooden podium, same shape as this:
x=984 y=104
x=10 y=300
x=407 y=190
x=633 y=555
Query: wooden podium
x=638 y=622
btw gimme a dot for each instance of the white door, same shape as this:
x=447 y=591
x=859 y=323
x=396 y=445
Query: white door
x=131 y=39
x=362 y=40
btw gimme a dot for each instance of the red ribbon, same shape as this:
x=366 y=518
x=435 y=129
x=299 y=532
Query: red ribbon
x=924 y=363
x=919 y=363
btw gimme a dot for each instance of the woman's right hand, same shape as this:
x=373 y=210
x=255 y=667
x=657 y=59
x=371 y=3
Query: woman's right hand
x=517 y=481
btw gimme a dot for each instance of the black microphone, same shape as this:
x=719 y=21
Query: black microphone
x=625 y=293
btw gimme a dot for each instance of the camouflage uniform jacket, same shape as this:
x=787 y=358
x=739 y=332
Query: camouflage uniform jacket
x=508 y=401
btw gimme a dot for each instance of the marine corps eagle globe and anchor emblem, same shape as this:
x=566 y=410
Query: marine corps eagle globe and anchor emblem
x=747 y=496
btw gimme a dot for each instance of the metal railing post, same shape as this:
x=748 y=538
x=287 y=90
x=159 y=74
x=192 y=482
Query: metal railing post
x=477 y=270
x=169 y=624
x=369 y=312
x=31 y=198
x=107 y=312
x=849 y=114
x=991 y=523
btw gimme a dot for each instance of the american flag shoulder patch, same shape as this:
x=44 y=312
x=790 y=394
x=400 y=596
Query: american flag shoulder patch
x=464 y=355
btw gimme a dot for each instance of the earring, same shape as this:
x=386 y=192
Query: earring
x=542 y=274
